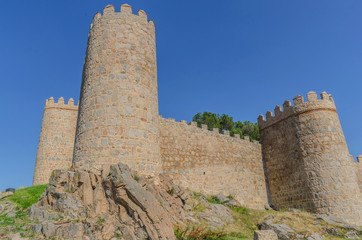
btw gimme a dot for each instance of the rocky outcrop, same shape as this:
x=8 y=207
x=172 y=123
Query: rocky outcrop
x=5 y=194
x=282 y=230
x=107 y=203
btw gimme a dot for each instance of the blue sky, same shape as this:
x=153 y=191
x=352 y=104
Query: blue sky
x=239 y=57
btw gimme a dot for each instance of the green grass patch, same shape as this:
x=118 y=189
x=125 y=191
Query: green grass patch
x=236 y=236
x=171 y=192
x=135 y=177
x=230 y=197
x=213 y=200
x=26 y=197
x=18 y=221
x=241 y=210
x=101 y=221
x=198 y=233
x=198 y=208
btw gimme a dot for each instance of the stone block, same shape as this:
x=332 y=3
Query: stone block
x=265 y=235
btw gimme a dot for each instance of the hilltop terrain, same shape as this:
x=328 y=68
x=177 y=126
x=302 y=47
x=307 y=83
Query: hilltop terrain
x=117 y=203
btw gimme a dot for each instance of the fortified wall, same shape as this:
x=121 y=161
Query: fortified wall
x=209 y=162
x=303 y=156
x=56 y=142
x=118 y=111
x=307 y=162
x=359 y=172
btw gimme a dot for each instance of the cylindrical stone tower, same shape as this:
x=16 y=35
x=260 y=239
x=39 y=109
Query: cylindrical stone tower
x=307 y=161
x=118 y=113
x=56 y=142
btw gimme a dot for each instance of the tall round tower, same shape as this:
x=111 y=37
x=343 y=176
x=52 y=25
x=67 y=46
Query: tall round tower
x=56 y=142
x=118 y=112
x=307 y=161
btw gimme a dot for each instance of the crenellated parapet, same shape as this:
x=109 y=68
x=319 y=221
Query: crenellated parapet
x=300 y=106
x=203 y=129
x=307 y=162
x=56 y=141
x=50 y=103
x=118 y=107
x=205 y=160
x=125 y=13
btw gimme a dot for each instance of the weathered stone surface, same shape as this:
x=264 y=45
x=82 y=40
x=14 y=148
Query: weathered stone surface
x=17 y=236
x=138 y=209
x=5 y=195
x=7 y=207
x=212 y=163
x=281 y=229
x=351 y=235
x=265 y=235
x=118 y=108
x=316 y=236
x=56 y=141
x=338 y=221
x=307 y=162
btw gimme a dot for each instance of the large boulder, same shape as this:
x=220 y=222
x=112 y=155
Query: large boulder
x=109 y=202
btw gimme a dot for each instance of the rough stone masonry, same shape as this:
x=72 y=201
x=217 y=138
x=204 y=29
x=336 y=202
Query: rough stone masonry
x=303 y=161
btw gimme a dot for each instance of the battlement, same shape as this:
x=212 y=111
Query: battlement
x=359 y=158
x=125 y=12
x=300 y=106
x=50 y=103
x=214 y=132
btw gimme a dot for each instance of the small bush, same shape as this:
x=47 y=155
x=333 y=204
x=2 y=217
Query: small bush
x=171 y=192
x=100 y=221
x=198 y=208
x=135 y=177
x=198 y=233
x=214 y=200
x=230 y=197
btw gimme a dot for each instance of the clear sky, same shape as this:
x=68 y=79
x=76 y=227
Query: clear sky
x=239 y=57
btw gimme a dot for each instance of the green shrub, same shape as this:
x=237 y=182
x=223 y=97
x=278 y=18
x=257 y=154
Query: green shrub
x=214 y=200
x=230 y=197
x=171 y=192
x=135 y=177
x=100 y=221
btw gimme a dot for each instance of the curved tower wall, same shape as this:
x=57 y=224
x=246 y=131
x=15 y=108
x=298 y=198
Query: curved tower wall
x=308 y=165
x=118 y=113
x=56 y=142
x=359 y=172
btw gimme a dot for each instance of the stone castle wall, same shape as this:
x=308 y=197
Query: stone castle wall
x=307 y=161
x=209 y=162
x=118 y=111
x=56 y=142
x=359 y=172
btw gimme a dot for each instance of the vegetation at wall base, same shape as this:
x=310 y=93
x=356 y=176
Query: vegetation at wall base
x=26 y=197
x=198 y=233
x=17 y=219
x=225 y=122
